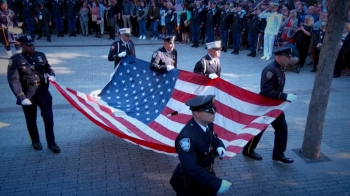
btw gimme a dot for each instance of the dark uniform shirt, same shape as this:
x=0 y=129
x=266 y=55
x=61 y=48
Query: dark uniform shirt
x=196 y=15
x=27 y=8
x=72 y=9
x=197 y=151
x=238 y=22
x=213 y=17
x=254 y=24
x=206 y=65
x=57 y=7
x=161 y=58
x=118 y=47
x=26 y=77
x=272 y=81
x=43 y=15
x=225 y=19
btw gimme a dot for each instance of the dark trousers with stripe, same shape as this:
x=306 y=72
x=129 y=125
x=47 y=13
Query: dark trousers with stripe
x=30 y=113
x=281 y=135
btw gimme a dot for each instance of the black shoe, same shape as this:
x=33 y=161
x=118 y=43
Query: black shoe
x=193 y=45
x=74 y=34
x=37 y=146
x=282 y=159
x=225 y=49
x=62 y=34
x=54 y=148
x=196 y=46
x=39 y=38
x=237 y=51
x=49 y=40
x=59 y=34
x=233 y=52
x=311 y=63
x=252 y=155
x=254 y=54
x=250 y=54
x=70 y=35
x=313 y=70
x=206 y=47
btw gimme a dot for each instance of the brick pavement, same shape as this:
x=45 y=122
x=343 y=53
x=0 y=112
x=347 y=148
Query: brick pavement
x=95 y=162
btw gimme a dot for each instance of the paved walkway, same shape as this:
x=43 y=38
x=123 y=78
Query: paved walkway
x=95 y=162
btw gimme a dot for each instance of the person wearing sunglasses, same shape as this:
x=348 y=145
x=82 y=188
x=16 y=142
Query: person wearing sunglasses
x=197 y=146
x=271 y=86
x=125 y=46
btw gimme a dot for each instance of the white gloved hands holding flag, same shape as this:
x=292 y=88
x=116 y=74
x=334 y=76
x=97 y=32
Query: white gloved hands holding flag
x=213 y=76
x=221 y=152
x=169 y=67
x=26 y=101
x=291 y=97
x=51 y=78
x=122 y=54
x=225 y=186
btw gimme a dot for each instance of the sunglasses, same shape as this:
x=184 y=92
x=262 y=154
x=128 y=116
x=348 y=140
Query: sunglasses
x=211 y=110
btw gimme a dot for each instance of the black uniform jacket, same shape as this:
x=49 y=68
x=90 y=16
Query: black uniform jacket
x=206 y=66
x=72 y=9
x=272 y=82
x=213 y=18
x=27 y=8
x=195 y=159
x=238 y=22
x=225 y=19
x=197 y=15
x=26 y=77
x=45 y=14
x=118 y=47
x=161 y=58
x=254 y=24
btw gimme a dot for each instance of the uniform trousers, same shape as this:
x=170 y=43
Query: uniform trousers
x=269 y=41
x=71 y=24
x=195 y=29
x=236 y=40
x=253 y=41
x=223 y=37
x=210 y=35
x=281 y=135
x=58 y=24
x=30 y=25
x=30 y=113
x=44 y=26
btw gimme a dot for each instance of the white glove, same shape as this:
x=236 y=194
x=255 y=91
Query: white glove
x=169 y=67
x=52 y=78
x=225 y=186
x=26 y=101
x=122 y=54
x=221 y=151
x=291 y=97
x=213 y=76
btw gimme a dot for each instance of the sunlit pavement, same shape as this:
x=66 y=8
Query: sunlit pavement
x=95 y=162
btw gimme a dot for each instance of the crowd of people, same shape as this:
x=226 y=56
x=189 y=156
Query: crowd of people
x=255 y=25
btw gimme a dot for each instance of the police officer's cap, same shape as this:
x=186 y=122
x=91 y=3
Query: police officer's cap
x=27 y=40
x=169 y=38
x=125 y=31
x=284 y=51
x=201 y=102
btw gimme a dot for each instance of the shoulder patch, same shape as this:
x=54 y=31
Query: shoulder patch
x=155 y=54
x=269 y=74
x=185 y=144
x=10 y=62
x=112 y=47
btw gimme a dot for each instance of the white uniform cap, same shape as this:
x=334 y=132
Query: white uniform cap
x=125 y=31
x=216 y=44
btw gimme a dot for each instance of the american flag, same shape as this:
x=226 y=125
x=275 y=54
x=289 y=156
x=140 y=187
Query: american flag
x=147 y=108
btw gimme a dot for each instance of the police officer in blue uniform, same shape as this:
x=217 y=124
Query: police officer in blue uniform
x=254 y=27
x=27 y=76
x=197 y=146
x=271 y=86
x=57 y=12
x=237 y=28
x=224 y=25
x=71 y=14
x=27 y=11
x=196 y=22
x=165 y=58
x=125 y=46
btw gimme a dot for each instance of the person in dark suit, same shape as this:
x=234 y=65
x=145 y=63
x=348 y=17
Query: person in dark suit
x=197 y=146
x=125 y=46
x=165 y=58
x=209 y=65
x=271 y=86
x=254 y=27
x=27 y=76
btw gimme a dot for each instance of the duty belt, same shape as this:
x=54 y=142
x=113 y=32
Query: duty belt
x=34 y=83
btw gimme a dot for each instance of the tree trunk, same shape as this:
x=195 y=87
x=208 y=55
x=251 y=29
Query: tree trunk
x=337 y=14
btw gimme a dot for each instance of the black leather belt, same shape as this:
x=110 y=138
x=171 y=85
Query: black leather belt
x=34 y=83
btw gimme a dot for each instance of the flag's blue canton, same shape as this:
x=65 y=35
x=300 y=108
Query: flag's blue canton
x=138 y=91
